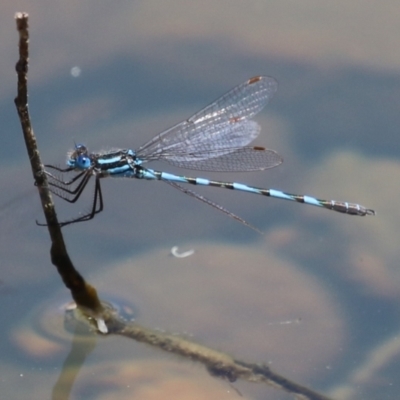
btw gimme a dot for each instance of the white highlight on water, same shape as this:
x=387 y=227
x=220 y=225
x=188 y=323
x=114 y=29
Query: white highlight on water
x=174 y=252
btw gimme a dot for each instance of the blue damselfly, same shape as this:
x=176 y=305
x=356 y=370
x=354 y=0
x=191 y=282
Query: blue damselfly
x=216 y=138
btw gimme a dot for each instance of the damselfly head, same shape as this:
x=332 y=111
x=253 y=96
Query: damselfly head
x=79 y=158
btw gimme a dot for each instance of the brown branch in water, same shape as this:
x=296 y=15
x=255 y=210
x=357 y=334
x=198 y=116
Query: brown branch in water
x=218 y=364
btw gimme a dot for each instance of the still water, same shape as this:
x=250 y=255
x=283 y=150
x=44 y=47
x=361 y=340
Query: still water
x=315 y=297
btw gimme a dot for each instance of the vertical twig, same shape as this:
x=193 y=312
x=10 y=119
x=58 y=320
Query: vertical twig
x=84 y=294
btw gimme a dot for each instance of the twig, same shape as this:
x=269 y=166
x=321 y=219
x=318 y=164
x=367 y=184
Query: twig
x=84 y=294
x=218 y=364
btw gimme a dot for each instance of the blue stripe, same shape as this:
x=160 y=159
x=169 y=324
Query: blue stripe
x=280 y=195
x=174 y=178
x=202 y=181
x=122 y=171
x=105 y=161
x=245 y=188
x=311 y=200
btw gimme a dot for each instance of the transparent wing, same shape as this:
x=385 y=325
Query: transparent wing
x=244 y=159
x=221 y=128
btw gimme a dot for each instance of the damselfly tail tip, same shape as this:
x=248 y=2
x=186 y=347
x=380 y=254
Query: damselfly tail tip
x=370 y=212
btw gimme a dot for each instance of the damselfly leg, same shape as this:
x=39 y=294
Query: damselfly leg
x=61 y=188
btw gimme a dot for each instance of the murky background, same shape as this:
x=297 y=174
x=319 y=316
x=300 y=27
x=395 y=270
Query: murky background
x=316 y=298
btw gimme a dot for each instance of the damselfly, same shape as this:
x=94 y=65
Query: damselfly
x=214 y=139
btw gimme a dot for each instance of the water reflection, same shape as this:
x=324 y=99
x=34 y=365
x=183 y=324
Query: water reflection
x=335 y=120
